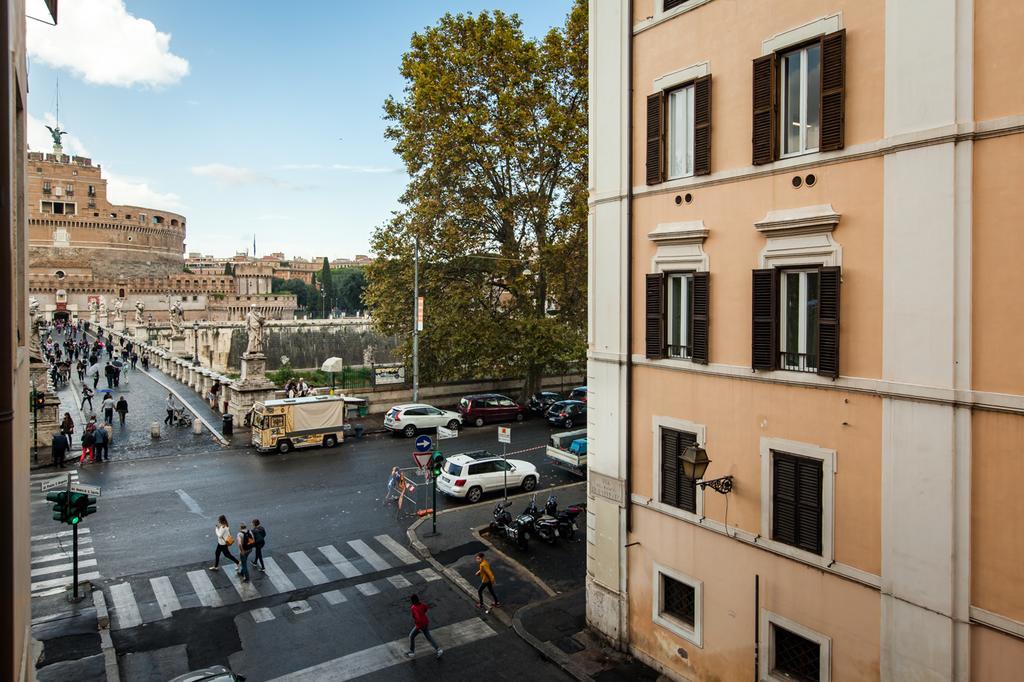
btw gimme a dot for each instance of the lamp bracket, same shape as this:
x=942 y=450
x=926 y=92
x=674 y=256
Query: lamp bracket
x=721 y=485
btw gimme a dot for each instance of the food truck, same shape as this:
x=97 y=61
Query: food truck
x=290 y=423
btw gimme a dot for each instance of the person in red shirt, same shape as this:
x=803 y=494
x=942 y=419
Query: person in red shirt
x=420 y=624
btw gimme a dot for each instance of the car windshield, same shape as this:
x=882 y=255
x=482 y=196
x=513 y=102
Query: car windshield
x=453 y=468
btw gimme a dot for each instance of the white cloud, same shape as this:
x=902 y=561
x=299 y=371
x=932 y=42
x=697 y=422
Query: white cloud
x=274 y=217
x=40 y=140
x=137 y=192
x=344 y=167
x=238 y=176
x=102 y=43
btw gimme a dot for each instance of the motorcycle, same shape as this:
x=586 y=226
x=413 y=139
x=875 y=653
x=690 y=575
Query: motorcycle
x=566 y=518
x=505 y=525
x=543 y=526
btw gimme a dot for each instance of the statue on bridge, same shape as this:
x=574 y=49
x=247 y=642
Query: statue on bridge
x=176 y=316
x=118 y=315
x=104 y=313
x=140 y=308
x=254 y=325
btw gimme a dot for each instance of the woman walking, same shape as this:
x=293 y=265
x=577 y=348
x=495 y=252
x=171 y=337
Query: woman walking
x=224 y=542
x=67 y=427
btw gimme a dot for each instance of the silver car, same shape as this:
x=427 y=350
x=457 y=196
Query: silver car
x=410 y=418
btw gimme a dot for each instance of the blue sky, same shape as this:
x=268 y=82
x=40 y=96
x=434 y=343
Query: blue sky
x=254 y=117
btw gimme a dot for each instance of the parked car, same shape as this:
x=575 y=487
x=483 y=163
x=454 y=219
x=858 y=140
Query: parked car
x=216 y=673
x=579 y=393
x=567 y=413
x=410 y=418
x=490 y=407
x=470 y=475
x=540 y=402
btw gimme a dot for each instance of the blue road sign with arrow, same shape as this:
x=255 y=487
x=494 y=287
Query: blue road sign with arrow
x=424 y=444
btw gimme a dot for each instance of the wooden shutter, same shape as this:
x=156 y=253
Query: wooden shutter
x=687 y=486
x=833 y=90
x=655 y=137
x=670 y=4
x=829 y=280
x=699 y=316
x=702 y=126
x=675 y=489
x=655 y=322
x=784 y=520
x=796 y=501
x=763 y=131
x=764 y=304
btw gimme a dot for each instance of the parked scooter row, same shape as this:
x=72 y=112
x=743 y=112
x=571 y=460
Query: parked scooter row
x=548 y=525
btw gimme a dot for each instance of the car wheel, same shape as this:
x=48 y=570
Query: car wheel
x=520 y=416
x=330 y=441
x=474 y=494
x=409 y=431
x=284 y=446
x=479 y=421
x=568 y=423
x=529 y=483
x=454 y=425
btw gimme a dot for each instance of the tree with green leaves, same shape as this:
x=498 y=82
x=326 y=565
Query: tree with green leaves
x=492 y=128
x=349 y=284
x=326 y=289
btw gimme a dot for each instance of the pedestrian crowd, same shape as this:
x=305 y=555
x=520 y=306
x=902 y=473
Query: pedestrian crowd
x=296 y=388
x=250 y=543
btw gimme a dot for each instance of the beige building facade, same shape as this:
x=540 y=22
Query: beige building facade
x=801 y=217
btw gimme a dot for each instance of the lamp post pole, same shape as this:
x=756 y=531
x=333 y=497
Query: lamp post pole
x=416 y=321
x=195 y=342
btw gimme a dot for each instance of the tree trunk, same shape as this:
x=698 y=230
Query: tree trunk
x=531 y=383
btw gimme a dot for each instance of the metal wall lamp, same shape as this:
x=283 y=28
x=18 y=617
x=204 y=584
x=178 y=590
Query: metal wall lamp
x=695 y=462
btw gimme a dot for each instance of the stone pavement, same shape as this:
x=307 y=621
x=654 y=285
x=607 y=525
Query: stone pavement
x=541 y=588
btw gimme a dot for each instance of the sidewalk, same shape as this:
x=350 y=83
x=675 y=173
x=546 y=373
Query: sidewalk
x=541 y=588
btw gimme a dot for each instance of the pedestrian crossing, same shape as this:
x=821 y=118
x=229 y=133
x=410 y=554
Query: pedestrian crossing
x=145 y=599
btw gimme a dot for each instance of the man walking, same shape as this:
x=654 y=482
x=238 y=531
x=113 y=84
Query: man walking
x=87 y=394
x=122 y=409
x=486 y=581
x=171 y=407
x=108 y=408
x=59 y=447
x=101 y=438
x=108 y=372
x=246 y=543
x=420 y=624
x=259 y=534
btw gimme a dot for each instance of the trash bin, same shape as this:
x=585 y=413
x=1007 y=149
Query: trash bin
x=359 y=428
x=364 y=410
x=228 y=424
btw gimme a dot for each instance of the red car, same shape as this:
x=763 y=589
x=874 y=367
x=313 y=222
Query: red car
x=490 y=407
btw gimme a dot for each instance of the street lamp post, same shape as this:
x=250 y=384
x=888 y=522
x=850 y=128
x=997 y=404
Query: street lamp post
x=195 y=342
x=416 y=321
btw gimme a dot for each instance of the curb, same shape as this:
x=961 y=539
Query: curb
x=106 y=644
x=548 y=651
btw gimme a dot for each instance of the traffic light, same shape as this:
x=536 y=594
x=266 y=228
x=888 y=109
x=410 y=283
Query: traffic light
x=436 y=462
x=81 y=506
x=60 y=507
x=39 y=401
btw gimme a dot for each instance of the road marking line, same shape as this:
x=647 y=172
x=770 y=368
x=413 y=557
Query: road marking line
x=300 y=606
x=308 y=568
x=334 y=597
x=428 y=574
x=399 y=581
x=66 y=580
x=125 y=606
x=58 y=568
x=166 y=598
x=371 y=557
x=395 y=548
x=386 y=655
x=368 y=589
x=60 y=545
x=205 y=590
x=46 y=476
x=262 y=615
x=281 y=582
x=246 y=591
x=192 y=505
x=61 y=534
x=63 y=555
x=50 y=593
x=341 y=563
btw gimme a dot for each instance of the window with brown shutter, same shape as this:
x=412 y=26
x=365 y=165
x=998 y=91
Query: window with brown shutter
x=796 y=501
x=763 y=127
x=833 y=90
x=671 y=4
x=700 y=304
x=763 y=312
x=655 y=138
x=702 y=126
x=655 y=318
x=677 y=490
x=828 y=321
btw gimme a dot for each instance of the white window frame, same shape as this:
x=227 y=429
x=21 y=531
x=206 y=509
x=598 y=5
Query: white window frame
x=687 y=282
x=700 y=431
x=801 y=348
x=803 y=149
x=695 y=634
x=767 y=661
x=828 y=470
x=42 y=208
x=687 y=93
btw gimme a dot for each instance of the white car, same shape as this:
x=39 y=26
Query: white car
x=470 y=475
x=413 y=417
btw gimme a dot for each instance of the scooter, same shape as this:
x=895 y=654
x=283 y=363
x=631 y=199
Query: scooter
x=566 y=518
x=511 y=529
x=543 y=526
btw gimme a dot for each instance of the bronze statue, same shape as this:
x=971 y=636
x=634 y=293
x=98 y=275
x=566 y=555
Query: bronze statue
x=56 y=133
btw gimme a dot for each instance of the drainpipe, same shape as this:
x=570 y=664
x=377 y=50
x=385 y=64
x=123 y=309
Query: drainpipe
x=628 y=478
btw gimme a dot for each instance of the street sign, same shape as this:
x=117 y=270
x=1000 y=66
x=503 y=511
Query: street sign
x=53 y=482
x=419 y=314
x=504 y=434
x=85 y=489
x=443 y=433
x=424 y=444
x=422 y=458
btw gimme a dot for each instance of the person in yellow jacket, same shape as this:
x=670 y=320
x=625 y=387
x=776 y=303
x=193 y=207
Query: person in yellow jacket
x=486 y=581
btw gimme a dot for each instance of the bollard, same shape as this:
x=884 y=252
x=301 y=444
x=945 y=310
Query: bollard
x=197 y=426
x=154 y=430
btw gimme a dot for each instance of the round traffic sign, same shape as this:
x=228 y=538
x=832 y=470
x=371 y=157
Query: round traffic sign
x=424 y=444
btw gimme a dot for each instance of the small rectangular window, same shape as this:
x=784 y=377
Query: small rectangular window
x=677 y=490
x=794 y=657
x=679 y=600
x=680 y=132
x=797 y=501
x=58 y=208
x=800 y=99
x=47 y=207
x=680 y=315
x=798 y=320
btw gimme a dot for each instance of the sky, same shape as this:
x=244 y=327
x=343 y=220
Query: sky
x=252 y=118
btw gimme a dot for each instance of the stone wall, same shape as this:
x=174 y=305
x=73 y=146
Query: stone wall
x=308 y=347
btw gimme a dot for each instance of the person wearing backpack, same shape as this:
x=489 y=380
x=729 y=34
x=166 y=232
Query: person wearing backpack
x=259 y=533
x=246 y=543
x=224 y=542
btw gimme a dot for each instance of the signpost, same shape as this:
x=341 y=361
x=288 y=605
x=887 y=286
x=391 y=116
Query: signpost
x=505 y=437
x=424 y=444
x=443 y=433
x=53 y=482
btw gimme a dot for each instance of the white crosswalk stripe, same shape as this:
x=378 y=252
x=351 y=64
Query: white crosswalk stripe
x=204 y=589
x=399 y=581
x=334 y=597
x=401 y=552
x=309 y=569
x=63 y=546
x=372 y=558
x=63 y=581
x=82 y=551
x=368 y=589
x=277 y=577
x=247 y=590
x=166 y=598
x=53 y=561
x=262 y=615
x=428 y=574
x=125 y=607
x=345 y=566
x=61 y=568
x=60 y=534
